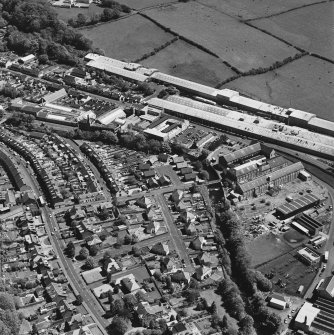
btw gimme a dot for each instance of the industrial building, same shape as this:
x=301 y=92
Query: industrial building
x=297 y=206
x=241 y=155
x=326 y=288
x=270 y=181
x=311 y=225
x=308 y=256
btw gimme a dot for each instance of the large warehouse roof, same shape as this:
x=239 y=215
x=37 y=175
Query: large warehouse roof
x=273 y=176
x=238 y=154
x=186 y=84
x=297 y=204
x=321 y=123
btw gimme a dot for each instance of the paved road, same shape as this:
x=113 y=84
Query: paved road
x=173 y=231
x=92 y=306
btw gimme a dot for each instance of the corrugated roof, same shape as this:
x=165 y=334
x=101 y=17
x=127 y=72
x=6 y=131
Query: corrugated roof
x=298 y=203
x=238 y=154
x=273 y=176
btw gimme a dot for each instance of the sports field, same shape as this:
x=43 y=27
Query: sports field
x=240 y=45
x=250 y=9
x=306 y=84
x=310 y=28
x=127 y=39
x=186 y=61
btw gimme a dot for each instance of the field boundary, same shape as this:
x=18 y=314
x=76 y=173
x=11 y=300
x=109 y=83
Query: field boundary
x=287 y=11
x=258 y=71
x=198 y=46
x=157 y=49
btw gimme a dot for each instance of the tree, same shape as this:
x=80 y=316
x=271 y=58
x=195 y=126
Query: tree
x=197 y=165
x=246 y=326
x=7 y=302
x=213 y=308
x=93 y=250
x=90 y=263
x=84 y=253
x=118 y=326
x=130 y=301
x=204 y=175
x=34 y=329
x=79 y=299
x=127 y=239
x=136 y=250
x=191 y=296
x=81 y=20
x=70 y=249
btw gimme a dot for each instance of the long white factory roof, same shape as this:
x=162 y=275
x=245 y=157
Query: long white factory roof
x=187 y=84
x=227 y=121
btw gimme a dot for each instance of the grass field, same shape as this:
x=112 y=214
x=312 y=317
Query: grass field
x=139 y=4
x=265 y=248
x=305 y=84
x=127 y=39
x=249 y=9
x=240 y=45
x=66 y=13
x=310 y=28
x=186 y=61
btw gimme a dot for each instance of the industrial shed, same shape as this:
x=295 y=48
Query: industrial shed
x=297 y=206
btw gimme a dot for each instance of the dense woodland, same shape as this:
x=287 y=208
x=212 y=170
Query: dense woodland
x=33 y=27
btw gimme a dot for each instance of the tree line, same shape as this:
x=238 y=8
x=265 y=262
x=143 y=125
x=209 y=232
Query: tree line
x=242 y=288
x=33 y=27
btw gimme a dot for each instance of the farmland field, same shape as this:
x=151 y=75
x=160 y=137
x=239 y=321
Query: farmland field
x=250 y=9
x=66 y=13
x=242 y=46
x=127 y=39
x=183 y=60
x=139 y=4
x=310 y=28
x=305 y=84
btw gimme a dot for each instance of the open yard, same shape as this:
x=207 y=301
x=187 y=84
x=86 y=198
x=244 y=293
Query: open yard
x=240 y=45
x=310 y=28
x=66 y=13
x=305 y=84
x=290 y=271
x=249 y=9
x=186 y=61
x=127 y=39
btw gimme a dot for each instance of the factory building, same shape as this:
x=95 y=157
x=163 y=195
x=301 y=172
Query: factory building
x=297 y=206
x=270 y=181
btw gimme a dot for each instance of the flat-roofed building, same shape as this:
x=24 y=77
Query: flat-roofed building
x=322 y=126
x=308 y=256
x=306 y=316
x=326 y=288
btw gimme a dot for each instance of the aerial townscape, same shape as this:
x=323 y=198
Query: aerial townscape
x=166 y=167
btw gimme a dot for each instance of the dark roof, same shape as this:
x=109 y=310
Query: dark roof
x=298 y=204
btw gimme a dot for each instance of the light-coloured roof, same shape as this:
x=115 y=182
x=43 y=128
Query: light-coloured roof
x=298 y=114
x=116 y=67
x=322 y=123
x=307 y=314
x=183 y=83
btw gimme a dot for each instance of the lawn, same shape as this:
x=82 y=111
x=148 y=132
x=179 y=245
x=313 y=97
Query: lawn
x=305 y=84
x=186 y=61
x=249 y=9
x=66 y=13
x=127 y=39
x=240 y=45
x=291 y=271
x=310 y=28
x=266 y=247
